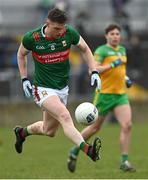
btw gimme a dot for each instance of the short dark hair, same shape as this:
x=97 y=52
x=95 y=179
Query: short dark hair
x=57 y=15
x=112 y=27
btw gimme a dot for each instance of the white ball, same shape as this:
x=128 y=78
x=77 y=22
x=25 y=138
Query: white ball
x=86 y=113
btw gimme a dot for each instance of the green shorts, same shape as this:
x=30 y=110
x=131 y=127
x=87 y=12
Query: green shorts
x=107 y=102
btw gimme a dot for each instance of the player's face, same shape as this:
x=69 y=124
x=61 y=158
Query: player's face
x=55 y=30
x=113 y=37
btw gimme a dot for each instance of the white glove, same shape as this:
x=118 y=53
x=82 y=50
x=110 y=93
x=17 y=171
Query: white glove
x=95 y=78
x=27 y=88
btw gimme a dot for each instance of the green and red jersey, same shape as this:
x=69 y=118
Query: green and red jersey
x=51 y=56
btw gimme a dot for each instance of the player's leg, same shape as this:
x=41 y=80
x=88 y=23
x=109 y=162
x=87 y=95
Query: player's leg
x=104 y=104
x=124 y=116
x=40 y=94
x=47 y=127
x=59 y=111
x=87 y=132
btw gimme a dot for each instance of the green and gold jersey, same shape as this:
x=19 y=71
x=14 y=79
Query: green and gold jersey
x=113 y=80
x=51 y=56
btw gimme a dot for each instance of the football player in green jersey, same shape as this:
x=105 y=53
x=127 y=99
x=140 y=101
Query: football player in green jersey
x=111 y=62
x=50 y=47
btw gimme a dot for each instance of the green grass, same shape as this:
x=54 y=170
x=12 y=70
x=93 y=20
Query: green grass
x=45 y=157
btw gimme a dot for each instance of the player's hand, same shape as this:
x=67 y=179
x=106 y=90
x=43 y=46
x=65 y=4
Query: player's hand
x=95 y=79
x=116 y=63
x=128 y=82
x=27 y=88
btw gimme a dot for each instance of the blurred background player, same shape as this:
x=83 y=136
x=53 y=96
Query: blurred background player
x=111 y=63
x=50 y=47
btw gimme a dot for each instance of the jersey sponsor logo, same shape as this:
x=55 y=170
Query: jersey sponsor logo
x=119 y=54
x=51 y=46
x=52 y=57
x=111 y=53
x=64 y=43
x=40 y=47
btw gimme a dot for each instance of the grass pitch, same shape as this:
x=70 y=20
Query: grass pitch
x=46 y=158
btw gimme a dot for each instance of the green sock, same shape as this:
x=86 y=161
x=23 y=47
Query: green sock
x=25 y=131
x=75 y=150
x=84 y=147
x=124 y=157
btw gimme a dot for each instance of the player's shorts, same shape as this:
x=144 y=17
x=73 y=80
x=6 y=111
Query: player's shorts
x=107 y=102
x=40 y=94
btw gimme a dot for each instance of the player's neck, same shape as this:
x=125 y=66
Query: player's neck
x=112 y=46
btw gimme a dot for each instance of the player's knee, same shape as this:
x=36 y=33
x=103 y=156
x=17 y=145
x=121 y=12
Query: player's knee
x=127 y=126
x=64 y=117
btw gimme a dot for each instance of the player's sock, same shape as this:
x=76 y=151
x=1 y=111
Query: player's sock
x=126 y=165
x=72 y=159
x=24 y=133
x=84 y=147
x=124 y=157
x=75 y=150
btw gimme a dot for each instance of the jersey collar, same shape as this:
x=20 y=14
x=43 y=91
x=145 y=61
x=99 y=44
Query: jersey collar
x=115 y=49
x=43 y=34
x=49 y=38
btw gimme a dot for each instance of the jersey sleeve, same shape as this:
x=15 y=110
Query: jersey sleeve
x=99 y=55
x=124 y=50
x=75 y=36
x=28 y=41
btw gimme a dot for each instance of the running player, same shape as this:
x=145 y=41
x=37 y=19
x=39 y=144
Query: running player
x=111 y=62
x=50 y=47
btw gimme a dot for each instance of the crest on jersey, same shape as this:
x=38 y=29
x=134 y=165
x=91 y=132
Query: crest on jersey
x=44 y=93
x=64 y=43
x=52 y=47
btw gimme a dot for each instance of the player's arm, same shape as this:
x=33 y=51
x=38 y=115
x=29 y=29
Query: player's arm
x=22 y=60
x=102 y=68
x=22 y=64
x=87 y=54
x=88 y=57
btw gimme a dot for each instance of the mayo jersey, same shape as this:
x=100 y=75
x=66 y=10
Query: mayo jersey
x=51 y=56
x=113 y=80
